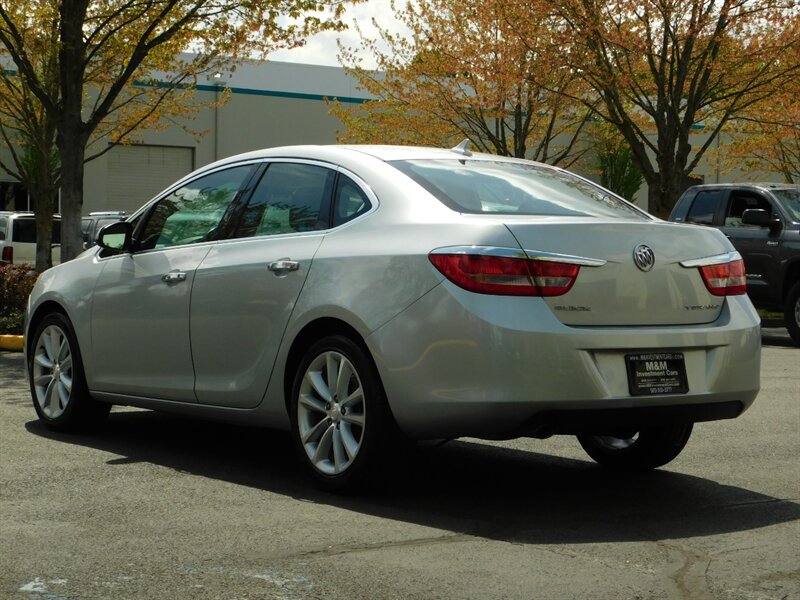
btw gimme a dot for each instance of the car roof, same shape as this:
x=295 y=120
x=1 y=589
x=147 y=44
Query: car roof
x=334 y=152
x=768 y=185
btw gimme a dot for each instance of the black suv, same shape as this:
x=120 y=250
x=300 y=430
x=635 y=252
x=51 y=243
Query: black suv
x=762 y=221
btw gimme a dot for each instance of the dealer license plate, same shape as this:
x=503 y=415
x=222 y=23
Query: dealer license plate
x=654 y=373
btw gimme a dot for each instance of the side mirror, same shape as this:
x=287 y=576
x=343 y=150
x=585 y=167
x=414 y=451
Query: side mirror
x=760 y=218
x=116 y=236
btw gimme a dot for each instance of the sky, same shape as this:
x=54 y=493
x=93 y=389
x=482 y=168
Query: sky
x=322 y=49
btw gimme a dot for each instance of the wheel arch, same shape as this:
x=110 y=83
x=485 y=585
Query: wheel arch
x=45 y=308
x=790 y=277
x=312 y=331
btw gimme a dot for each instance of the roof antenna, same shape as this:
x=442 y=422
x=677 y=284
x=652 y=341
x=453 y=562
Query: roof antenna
x=462 y=148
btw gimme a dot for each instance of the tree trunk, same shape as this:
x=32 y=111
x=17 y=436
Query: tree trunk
x=72 y=150
x=43 y=207
x=73 y=133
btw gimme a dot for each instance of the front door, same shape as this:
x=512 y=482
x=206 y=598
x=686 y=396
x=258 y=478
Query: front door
x=140 y=308
x=759 y=246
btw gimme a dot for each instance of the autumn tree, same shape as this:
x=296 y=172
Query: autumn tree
x=105 y=46
x=463 y=73
x=664 y=67
x=766 y=136
x=613 y=160
x=29 y=132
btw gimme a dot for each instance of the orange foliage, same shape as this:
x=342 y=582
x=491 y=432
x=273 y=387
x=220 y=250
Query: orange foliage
x=464 y=72
x=664 y=66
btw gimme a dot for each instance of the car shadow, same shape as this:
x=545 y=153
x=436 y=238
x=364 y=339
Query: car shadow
x=776 y=336
x=465 y=487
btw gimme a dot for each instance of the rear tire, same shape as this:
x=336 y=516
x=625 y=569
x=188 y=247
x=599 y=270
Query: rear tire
x=341 y=423
x=57 y=382
x=791 y=313
x=646 y=449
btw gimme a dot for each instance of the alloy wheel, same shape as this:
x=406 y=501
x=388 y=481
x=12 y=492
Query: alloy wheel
x=331 y=413
x=52 y=371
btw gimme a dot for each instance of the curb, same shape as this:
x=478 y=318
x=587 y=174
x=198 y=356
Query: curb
x=11 y=342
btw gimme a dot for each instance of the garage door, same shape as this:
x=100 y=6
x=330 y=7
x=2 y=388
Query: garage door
x=137 y=173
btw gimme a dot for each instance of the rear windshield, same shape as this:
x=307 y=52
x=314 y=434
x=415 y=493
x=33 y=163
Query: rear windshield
x=25 y=231
x=506 y=188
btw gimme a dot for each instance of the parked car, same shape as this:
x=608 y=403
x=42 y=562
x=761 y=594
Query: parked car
x=95 y=221
x=762 y=221
x=364 y=295
x=18 y=238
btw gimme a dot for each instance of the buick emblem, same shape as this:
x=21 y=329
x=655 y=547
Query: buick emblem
x=644 y=257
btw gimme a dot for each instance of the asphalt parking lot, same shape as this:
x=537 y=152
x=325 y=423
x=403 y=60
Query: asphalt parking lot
x=155 y=506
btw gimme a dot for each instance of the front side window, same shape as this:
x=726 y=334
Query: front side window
x=742 y=201
x=290 y=198
x=507 y=188
x=704 y=207
x=193 y=212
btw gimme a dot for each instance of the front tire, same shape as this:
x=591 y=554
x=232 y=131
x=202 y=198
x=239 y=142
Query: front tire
x=340 y=418
x=791 y=312
x=642 y=450
x=57 y=382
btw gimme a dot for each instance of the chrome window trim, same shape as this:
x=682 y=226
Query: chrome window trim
x=706 y=261
x=583 y=261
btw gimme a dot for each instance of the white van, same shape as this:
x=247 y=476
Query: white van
x=18 y=238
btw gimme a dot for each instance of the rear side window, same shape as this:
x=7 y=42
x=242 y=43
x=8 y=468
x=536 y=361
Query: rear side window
x=487 y=187
x=349 y=202
x=290 y=198
x=704 y=207
x=3 y=225
x=25 y=231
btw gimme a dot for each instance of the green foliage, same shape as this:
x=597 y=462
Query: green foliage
x=16 y=283
x=618 y=171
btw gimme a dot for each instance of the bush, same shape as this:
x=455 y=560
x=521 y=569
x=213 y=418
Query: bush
x=16 y=283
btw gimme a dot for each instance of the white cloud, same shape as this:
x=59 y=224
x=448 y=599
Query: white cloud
x=322 y=48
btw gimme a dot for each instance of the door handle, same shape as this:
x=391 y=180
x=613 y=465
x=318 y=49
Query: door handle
x=283 y=265
x=173 y=277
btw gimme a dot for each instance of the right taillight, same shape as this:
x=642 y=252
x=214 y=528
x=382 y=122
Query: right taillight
x=726 y=279
x=506 y=276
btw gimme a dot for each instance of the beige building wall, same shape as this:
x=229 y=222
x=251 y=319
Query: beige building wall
x=270 y=104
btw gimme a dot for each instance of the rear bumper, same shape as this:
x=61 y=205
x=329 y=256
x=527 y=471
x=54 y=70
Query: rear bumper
x=456 y=364
x=608 y=420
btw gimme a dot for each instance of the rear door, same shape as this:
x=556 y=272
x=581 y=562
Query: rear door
x=245 y=289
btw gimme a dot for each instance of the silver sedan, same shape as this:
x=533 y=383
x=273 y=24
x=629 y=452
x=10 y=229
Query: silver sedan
x=363 y=295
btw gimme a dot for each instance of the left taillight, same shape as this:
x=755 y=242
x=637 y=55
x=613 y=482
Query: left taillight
x=8 y=254
x=506 y=276
x=726 y=279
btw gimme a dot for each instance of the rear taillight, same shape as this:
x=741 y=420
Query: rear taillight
x=8 y=254
x=726 y=279
x=506 y=276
